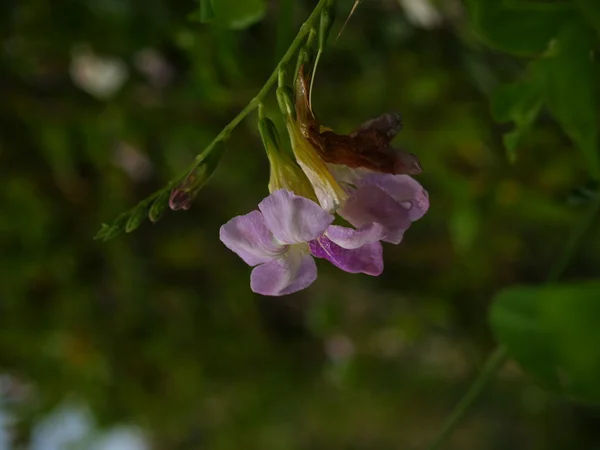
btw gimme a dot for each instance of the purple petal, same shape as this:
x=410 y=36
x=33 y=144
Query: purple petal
x=366 y=259
x=294 y=219
x=350 y=238
x=369 y=204
x=402 y=188
x=291 y=273
x=249 y=237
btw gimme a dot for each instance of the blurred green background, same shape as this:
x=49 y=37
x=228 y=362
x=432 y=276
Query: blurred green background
x=104 y=101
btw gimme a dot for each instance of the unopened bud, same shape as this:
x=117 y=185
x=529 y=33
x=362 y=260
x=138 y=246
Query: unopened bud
x=136 y=218
x=268 y=133
x=184 y=194
x=327 y=19
x=310 y=40
x=159 y=207
x=285 y=97
x=305 y=56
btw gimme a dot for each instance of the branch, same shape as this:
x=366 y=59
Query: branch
x=155 y=205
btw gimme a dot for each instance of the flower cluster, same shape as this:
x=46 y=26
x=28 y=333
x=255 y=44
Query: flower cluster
x=358 y=177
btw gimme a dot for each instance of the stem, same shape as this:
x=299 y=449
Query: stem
x=494 y=362
x=497 y=359
x=574 y=242
x=254 y=103
x=292 y=49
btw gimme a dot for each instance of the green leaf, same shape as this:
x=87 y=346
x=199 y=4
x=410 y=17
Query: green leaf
x=136 y=218
x=520 y=27
x=115 y=228
x=236 y=14
x=519 y=103
x=591 y=11
x=103 y=231
x=570 y=88
x=553 y=333
x=159 y=206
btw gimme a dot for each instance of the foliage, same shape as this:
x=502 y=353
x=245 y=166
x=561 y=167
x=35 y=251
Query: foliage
x=548 y=330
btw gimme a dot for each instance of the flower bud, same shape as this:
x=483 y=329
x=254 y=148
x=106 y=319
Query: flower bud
x=184 y=194
x=159 y=207
x=285 y=97
x=268 y=133
x=284 y=173
x=136 y=218
x=327 y=19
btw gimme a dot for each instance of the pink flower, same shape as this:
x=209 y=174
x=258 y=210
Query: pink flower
x=392 y=201
x=280 y=239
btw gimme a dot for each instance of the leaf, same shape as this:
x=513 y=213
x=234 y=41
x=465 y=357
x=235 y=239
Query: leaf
x=552 y=332
x=519 y=103
x=116 y=228
x=236 y=14
x=159 y=206
x=521 y=27
x=136 y=218
x=570 y=87
x=103 y=231
x=591 y=11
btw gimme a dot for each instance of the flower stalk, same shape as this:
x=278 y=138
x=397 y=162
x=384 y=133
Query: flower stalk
x=152 y=203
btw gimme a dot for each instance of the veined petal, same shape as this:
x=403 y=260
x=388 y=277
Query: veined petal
x=328 y=190
x=295 y=271
x=250 y=238
x=294 y=219
x=402 y=188
x=366 y=259
x=369 y=204
x=350 y=238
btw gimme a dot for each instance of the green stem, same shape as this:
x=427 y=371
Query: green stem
x=494 y=362
x=292 y=49
x=574 y=242
x=253 y=104
x=497 y=359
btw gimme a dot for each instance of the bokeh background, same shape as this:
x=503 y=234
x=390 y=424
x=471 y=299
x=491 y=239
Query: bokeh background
x=156 y=335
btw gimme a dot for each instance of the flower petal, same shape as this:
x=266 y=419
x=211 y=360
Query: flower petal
x=350 y=238
x=326 y=187
x=388 y=125
x=291 y=273
x=403 y=189
x=294 y=219
x=369 y=204
x=249 y=237
x=366 y=259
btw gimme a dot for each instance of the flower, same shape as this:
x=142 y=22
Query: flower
x=359 y=176
x=284 y=173
x=301 y=125
x=392 y=201
x=280 y=239
x=318 y=149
